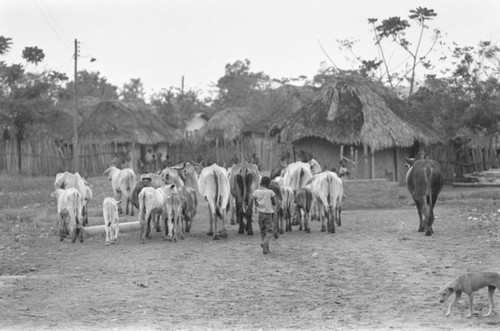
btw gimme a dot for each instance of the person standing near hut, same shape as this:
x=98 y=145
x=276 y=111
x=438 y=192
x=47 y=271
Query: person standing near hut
x=159 y=162
x=127 y=158
x=264 y=202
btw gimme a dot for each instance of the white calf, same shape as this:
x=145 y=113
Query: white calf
x=65 y=180
x=69 y=212
x=111 y=219
x=151 y=202
x=173 y=214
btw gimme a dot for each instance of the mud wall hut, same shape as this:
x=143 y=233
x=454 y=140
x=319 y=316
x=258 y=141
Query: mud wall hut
x=360 y=122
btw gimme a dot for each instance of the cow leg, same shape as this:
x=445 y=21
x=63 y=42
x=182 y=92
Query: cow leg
x=281 y=220
x=216 y=235
x=119 y=198
x=80 y=230
x=249 y=227
x=419 y=204
x=85 y=215
x=307 y=217
x=224 y=231
x=233 y=213
x=131 y=206
x=211 y=216
x=116 y=228
x=428 y=220
x=107 y=230
x=322 y=217
x=288 y=220
x=338 y=212
x=331 y=219
x=239 y=219
x=300 y=213
x=145 y=226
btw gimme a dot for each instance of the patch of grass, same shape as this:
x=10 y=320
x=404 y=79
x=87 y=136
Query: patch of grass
x=484 y=216
x=22 y=191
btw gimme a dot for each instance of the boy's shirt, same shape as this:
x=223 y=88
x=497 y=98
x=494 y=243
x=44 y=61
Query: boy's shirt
x=263 y=200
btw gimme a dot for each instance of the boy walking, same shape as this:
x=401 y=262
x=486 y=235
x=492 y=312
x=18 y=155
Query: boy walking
x=263 y=199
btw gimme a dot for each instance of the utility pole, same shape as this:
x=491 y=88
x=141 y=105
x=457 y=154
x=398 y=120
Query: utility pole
x=75 y=115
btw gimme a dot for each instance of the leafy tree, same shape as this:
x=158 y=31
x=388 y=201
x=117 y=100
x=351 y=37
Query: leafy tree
x=33 y=55
x=25 y=97
x=395 y=29
x=178 y=107
x=133 y=91
x=5 y=44
x=239 y=85
x=91 y=84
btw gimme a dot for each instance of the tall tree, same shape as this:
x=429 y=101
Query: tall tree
x=396 y=30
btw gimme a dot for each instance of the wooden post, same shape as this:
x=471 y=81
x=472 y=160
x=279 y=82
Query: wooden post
x=356 y=163
x=366 y=161
x=217 y=150
x=372 y=165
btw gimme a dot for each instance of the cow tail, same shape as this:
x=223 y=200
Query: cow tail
x=244 y=195
x=79 y=206
x=142 y=208
x=217 y=195
x=330 y=186
x=428 y=175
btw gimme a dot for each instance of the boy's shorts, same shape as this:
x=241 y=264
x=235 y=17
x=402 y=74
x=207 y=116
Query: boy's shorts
x=265 y=223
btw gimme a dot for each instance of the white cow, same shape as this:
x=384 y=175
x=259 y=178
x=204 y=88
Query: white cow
x=315 y=166
x=65 y=180
x=214 y=188
x=296 y=175
x=123 y=183
x=151 y=203
x=185 y=178
x=328 y=190
x=287 y=205
x=69 y=213
x=111 y=219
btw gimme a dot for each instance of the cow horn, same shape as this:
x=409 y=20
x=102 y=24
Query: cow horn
x=179 y=167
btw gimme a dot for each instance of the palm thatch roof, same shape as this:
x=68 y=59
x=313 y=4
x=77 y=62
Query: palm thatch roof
x=353 y=110
x=227 y=124
x=123 y=122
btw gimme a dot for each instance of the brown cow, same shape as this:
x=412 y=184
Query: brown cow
x=425 y=181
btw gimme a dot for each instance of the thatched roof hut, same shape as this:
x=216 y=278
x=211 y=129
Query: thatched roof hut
x=355 y=118
x=122 y=122
x=353 y=110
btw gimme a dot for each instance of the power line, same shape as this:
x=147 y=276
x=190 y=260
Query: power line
x=54 y=29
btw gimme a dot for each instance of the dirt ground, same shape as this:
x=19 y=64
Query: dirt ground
x=376 y=272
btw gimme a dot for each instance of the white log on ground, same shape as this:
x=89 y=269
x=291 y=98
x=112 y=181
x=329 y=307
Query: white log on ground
x=124 y=227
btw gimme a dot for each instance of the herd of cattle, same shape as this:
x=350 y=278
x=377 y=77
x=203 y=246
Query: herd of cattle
x=168 y=201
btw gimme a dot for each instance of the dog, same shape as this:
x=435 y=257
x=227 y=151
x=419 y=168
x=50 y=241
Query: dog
x=469 y=283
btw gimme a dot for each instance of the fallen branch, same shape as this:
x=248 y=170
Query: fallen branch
x=34 y=315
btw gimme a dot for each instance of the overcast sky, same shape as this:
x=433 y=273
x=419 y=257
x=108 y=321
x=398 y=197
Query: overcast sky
x=159 y=41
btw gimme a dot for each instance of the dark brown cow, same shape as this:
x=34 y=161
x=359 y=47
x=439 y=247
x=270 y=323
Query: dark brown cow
x=244 y=179
x=425 y=181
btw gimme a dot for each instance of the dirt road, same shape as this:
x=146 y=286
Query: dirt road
x=376 y=272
